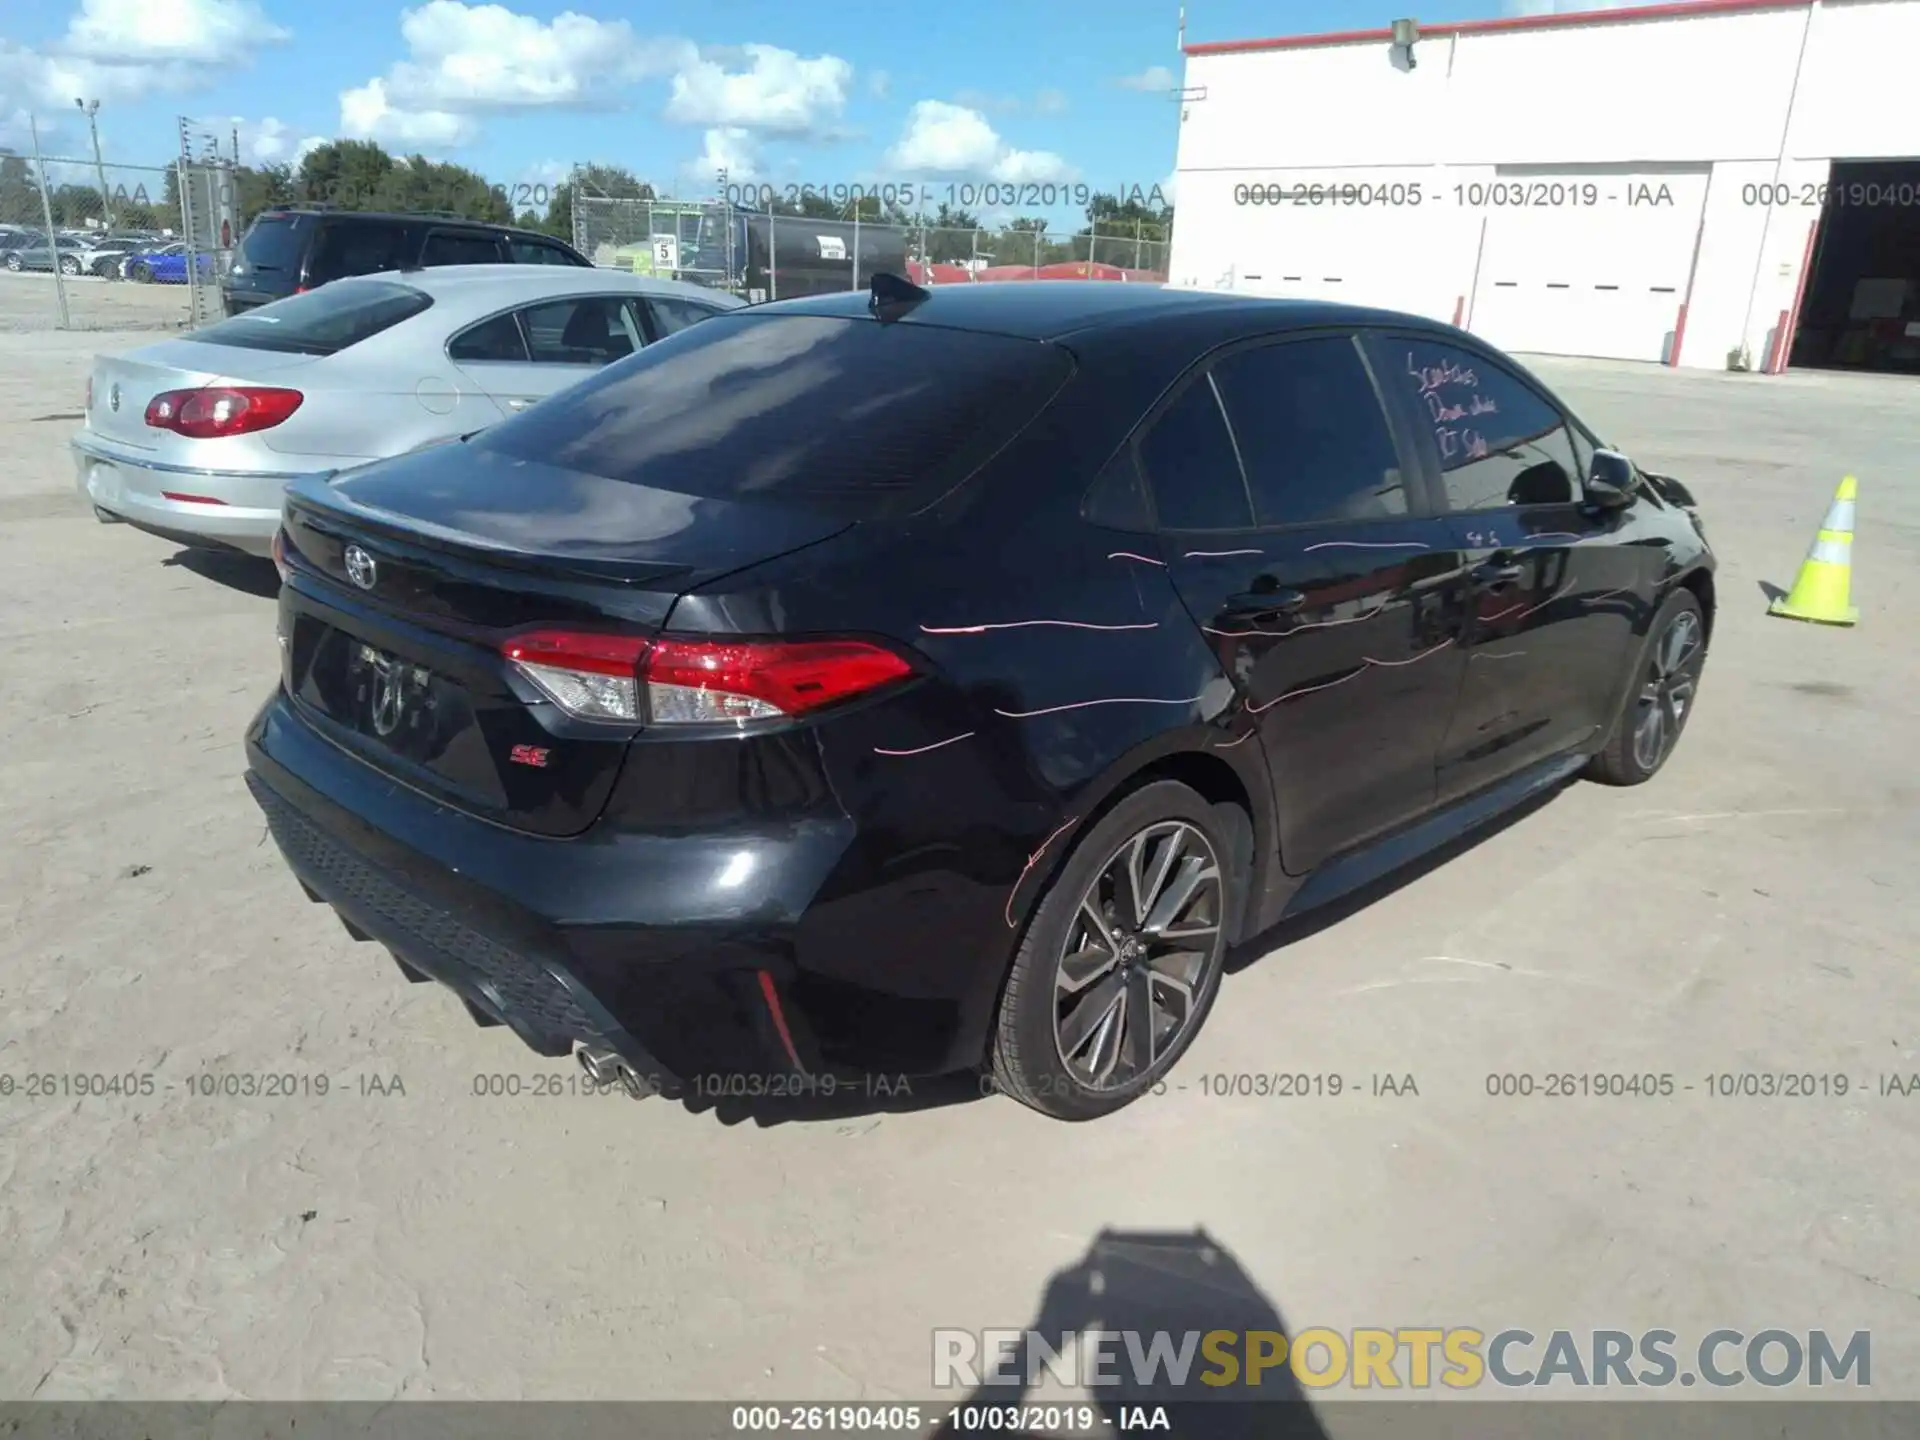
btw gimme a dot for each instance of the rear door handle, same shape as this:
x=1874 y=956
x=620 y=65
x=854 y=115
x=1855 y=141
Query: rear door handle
x=519 y=402
x=1264 y=604
x=1494 y=576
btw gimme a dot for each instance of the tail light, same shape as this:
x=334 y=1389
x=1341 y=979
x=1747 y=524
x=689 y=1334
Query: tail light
x=693 y=682
x=221 y=410
x=280 y=554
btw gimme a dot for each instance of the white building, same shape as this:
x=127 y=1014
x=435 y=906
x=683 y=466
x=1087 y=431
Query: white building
x=1723 y=182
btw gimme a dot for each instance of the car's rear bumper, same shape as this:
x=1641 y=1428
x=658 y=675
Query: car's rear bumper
x=568 y=942
x=233 y=508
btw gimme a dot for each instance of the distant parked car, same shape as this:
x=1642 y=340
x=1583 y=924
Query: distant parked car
x=294 y=249
x=106 y=255
x=194 y=439
x=35 y=253
x=166 y=265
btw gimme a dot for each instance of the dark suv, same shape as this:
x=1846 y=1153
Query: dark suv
x=290 y=250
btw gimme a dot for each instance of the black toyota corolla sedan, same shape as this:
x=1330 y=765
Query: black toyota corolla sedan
x=897 y=683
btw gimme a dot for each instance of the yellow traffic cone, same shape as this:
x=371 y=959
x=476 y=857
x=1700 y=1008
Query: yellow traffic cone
x=1822 y=590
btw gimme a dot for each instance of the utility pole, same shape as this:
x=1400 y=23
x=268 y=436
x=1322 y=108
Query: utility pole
x=91 y=109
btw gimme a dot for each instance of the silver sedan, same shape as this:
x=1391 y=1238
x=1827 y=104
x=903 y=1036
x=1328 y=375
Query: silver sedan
x=195 y=439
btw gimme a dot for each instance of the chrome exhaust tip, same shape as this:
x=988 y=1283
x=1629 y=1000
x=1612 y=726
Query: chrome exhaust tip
x=606 y=1068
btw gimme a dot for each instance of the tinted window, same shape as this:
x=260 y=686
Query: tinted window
x=272 y=244
x=1500 y=443
x=589 y=330
x=495 y=339
x=672 y=315
x=1189 y=460
x=446 y=247
x=320 y=322
x=844 y=416
x=1311 y=433
x=360 y=248
x=537 y=252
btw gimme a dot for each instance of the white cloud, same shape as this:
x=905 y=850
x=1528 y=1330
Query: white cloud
x=1154 y=77
x=141 y=32
x=1169 y=187
x=945 y=139
x=465 y=61
x=264 y=142
x=729 y=148
x=779 y=92
x=367 y=114
x=879 y=84
x=119 y=50
x=1050 y=102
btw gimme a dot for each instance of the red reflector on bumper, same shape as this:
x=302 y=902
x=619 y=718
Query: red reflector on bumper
x=190 y=499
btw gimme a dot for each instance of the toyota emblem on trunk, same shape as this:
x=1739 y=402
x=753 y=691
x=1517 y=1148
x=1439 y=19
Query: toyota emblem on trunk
x=113 y=398
x=360 y=567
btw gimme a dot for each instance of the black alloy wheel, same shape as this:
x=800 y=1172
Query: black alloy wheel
x=1123 y=958
x=1660 y=700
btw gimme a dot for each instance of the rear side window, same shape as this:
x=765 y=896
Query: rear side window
x=1189 y=460
x=1311 y=433
x=498 y=339
x=586 y=330
x=273 y=244
x=670 y=316
x=537 y=252
x=320 y=322
x=846 y=417
x=357 y=248
x=451 y=248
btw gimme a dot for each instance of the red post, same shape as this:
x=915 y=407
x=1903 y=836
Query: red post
x=1459 y=309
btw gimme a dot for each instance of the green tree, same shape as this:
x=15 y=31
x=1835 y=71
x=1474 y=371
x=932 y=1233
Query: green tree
x=19 y=192
x=611 y=182
x=422 y=184
x=347 y=173
x=1129 y=227
x=262 y=189
x=950 y=232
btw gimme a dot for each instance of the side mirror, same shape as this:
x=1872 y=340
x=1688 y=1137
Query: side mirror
x=1612 y=481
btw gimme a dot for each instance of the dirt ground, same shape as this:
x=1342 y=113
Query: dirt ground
x=405 y=1236
x=30 y=304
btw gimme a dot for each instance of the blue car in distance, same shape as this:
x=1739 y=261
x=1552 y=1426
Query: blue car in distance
x=166 y=265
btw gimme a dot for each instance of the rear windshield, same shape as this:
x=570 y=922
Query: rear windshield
x=272 y=244
x=849 y=417
x=320 y=322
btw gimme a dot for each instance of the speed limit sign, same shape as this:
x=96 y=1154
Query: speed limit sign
x=666 y=252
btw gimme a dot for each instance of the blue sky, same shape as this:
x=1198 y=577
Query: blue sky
x=777 y=91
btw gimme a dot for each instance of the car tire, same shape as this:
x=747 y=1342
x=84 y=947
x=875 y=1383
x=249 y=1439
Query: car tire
x=140 y=273
x=13 y=263
x=1659 y=695
x=1049 y=1049
x=69 y=266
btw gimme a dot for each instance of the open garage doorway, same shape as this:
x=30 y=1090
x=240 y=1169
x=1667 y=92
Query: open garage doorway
x=1861 y=310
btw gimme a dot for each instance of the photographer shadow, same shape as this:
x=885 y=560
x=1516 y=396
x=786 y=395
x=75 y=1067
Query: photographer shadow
x=1147 y=1282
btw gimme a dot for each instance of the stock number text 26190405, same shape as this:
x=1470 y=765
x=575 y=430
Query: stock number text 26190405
x=1470 y=195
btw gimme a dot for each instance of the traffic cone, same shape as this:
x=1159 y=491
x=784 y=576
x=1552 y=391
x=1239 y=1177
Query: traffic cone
x=1822 y=590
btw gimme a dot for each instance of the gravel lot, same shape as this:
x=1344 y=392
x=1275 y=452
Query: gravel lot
x=404 y=1237
x=30 y=304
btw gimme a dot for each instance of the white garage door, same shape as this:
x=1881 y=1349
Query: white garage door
x=1558 y=276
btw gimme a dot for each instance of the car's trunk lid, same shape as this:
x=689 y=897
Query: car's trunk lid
x=394 y=652
x=123 y=384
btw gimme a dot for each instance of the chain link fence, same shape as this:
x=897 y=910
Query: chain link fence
x=72 y=229
x=762 y=256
